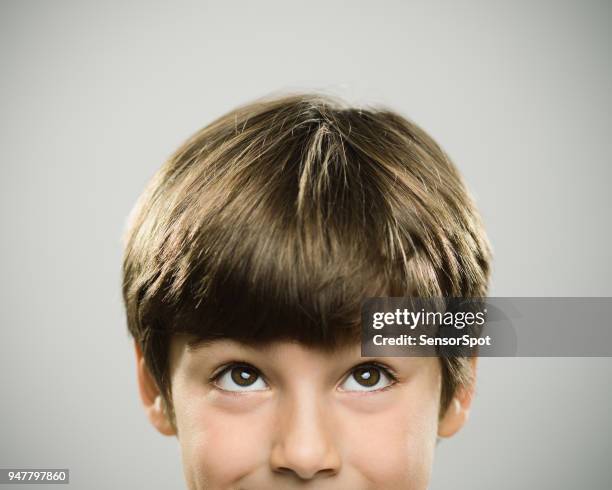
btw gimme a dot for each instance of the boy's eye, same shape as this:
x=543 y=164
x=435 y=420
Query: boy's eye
x=240 y=378
x=368 y=378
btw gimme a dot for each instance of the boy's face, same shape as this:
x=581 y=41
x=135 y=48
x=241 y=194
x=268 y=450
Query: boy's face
x=288 y=417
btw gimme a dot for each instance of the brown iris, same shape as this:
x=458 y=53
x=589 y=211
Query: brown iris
x=367 y=376
x=243 y=376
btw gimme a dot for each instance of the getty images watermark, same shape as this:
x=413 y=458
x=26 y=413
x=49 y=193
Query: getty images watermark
x=487 y=327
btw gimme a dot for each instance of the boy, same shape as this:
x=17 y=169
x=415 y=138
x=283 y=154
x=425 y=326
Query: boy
x=246 y=262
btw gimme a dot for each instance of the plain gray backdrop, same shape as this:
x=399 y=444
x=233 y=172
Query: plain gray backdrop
x=96 y=95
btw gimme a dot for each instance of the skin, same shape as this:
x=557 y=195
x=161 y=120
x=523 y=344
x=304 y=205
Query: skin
x=300 y=418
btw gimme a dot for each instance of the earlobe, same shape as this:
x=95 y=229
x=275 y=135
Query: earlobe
x=151 y=397
x=454 y=419
x=458 y=411
x=159 y=418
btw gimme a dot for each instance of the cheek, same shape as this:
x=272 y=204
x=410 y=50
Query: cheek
x=394 y=447
x=219 y=446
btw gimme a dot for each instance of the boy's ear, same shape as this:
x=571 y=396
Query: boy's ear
x=458 y=410
x=151 y=396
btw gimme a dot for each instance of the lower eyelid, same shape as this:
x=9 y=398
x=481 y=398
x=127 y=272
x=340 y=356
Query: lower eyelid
x=239 y=392
x=369 y=392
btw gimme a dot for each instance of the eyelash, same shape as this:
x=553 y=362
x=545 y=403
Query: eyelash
x=238 y=363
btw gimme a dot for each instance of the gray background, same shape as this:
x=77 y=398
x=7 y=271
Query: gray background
x=95 y=96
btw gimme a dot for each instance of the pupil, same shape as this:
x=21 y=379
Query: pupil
x=243 y=376
x=368 y=376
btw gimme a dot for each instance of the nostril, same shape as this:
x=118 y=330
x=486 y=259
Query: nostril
x=302 y=476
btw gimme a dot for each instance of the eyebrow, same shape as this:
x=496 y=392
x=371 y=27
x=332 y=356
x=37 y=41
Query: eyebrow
x=197 y=344
x=201 y=343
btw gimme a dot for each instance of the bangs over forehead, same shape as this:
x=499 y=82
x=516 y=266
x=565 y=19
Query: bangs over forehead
x=277 y=220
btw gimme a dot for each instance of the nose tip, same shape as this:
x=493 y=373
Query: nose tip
x=306 y=462
x=304 y=446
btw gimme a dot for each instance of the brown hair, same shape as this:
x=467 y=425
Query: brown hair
x=276 y=220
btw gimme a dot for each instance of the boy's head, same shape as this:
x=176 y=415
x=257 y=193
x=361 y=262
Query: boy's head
x=246 y=262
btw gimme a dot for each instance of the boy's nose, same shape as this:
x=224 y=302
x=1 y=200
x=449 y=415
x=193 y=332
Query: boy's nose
x=304 y=442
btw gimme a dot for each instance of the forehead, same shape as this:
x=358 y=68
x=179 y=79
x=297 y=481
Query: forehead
x=195 y=346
